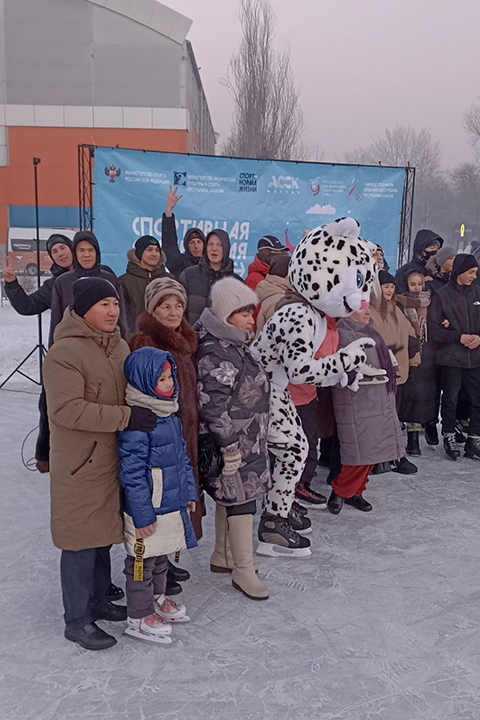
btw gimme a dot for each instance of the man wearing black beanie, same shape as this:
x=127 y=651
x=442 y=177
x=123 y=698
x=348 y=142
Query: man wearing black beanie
x=454 y=327
x=85 y=385
x=146 y=262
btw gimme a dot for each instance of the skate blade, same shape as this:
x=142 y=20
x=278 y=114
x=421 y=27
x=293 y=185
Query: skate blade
x=374 y=381
x=270 y=550
x=310 y=506
x=307 y=531
x=138 y=635
x=471 y=456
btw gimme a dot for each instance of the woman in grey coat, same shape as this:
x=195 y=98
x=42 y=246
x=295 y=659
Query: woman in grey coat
x=233 y=396
x=367 y=422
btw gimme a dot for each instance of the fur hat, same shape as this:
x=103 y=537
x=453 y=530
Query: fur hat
x=160 y=288
x=229 y=295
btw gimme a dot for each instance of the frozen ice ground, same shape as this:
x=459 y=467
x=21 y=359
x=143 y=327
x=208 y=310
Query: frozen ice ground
x=381 y=623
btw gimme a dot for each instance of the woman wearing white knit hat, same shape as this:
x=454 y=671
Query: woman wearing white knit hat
x=233 y=392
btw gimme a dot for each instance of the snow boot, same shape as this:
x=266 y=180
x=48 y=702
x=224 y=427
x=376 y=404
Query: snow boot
x=221 y=560
x=431 y=433
x=413 y=443
x=359 y=502
x=450 y=446
x=404 y=467
x=309 y=498
x=277 y=539
x=152 y=628
x=301 y=524
x=177 y=574
x=244 y=577
x=335 y=503
x=90 y=637
x=472 y=447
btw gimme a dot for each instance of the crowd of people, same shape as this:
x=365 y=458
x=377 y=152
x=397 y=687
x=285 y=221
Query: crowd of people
x=177 y=379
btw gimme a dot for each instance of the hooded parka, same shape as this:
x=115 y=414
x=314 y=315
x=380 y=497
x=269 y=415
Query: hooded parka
x=423 y=239
x=85 y=385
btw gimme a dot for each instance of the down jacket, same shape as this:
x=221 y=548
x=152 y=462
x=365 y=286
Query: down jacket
x=85 y=385
x=367 y=423
x=155 y=472
x=132 y=288
x=177 y=261
x=233 y=396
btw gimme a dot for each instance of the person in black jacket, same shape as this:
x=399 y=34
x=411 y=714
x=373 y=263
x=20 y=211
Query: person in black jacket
x=193 y=241
x=454 y=327
x=425 y=246
x=59 y=247
x=214 y=265
x=86 y=263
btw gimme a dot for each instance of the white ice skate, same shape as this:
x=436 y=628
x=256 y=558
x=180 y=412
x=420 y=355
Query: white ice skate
x=152 y=628
x=170 y=611
x=372 y=375
x=277 y=439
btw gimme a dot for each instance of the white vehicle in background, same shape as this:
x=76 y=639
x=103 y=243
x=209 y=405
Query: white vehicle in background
x=22 y=248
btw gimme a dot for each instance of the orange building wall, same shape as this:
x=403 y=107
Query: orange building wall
x=58 y=171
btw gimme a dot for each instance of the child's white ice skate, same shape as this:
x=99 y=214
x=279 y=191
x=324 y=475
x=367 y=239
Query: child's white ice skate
x=152 y=628
x=170 y=611
x=372 y=375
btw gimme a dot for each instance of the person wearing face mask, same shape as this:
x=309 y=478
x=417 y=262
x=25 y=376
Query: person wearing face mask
x=163 y=326
x=454 y=327
x=214 y=265
x=233 y=397
x=146 y=262
x=425 y=246
x=193 y=240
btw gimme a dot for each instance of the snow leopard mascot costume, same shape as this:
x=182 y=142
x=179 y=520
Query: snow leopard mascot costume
x=331 y=272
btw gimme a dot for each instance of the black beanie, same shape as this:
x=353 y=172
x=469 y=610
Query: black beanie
x=385 y=278
x=57 y=239
x=88 y=291
x=462 y=263
x=144 y=242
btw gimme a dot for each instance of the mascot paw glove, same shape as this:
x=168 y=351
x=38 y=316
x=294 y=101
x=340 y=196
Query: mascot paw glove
x=354 y=355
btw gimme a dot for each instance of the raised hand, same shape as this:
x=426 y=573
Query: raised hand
x=172 y=199
x=8 y=272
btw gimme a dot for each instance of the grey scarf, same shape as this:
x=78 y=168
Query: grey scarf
x=160 y=406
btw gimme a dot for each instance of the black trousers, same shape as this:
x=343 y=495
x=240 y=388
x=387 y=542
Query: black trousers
x=452 y=381
x=42 y=448
x=85 y=577
x=141 y=594
x=308 y=418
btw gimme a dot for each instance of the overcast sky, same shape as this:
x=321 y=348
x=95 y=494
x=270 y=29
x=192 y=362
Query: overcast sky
x=363 y=65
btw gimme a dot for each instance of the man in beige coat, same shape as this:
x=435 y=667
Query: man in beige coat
x=85 y=385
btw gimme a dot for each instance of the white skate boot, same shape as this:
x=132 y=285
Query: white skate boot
x=170 y=611
x=152 y=628
x=372 y=375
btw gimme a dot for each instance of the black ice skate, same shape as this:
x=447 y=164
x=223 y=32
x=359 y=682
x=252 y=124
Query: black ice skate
x=277 y=539
x=298 y=522
x=450 y=446
x=472 y=447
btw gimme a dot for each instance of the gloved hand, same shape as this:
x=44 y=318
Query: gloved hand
x=232 y=460
x=141 y=419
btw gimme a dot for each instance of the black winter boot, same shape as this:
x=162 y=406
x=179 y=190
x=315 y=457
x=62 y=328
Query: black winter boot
x=359 y=502
x=413 y=443
x=404 y=466
x=115 y=593
x=177 y=574
x=450 y=445
x=90 y=637
x=472 y=447
x=335 y=503
x=431 y=433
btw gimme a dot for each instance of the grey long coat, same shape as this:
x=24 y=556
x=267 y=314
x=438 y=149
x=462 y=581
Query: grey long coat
x=233 y=396
x=367 y=422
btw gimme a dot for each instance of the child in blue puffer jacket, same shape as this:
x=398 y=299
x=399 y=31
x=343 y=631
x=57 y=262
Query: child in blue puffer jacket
x=159 y=492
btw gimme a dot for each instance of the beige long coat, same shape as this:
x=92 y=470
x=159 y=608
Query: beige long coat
x=85 y=385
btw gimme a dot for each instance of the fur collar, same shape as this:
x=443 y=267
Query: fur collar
x=183 y=340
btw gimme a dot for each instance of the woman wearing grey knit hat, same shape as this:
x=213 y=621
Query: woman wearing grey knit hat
x=163 y=326
x=233 y=396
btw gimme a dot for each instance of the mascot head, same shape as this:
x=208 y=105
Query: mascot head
x=333 y=268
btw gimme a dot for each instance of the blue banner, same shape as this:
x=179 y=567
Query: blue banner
x=248 y=198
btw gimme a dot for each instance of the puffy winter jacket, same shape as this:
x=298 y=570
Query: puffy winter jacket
x=198 y=280
x=423 y=239
x=132 y=288
x=257 y=271
x=177 y=261
x=155 y=473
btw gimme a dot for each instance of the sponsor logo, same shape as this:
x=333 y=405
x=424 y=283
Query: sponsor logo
x=314 y=186
x=112 y=172
x=283 y=182
x=247 y=182
x=180 y=178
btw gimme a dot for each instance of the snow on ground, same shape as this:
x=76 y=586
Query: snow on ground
x=18 y=336
x=381 y=623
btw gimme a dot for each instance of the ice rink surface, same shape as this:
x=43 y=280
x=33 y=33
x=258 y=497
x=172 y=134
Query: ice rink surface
x=381 y=623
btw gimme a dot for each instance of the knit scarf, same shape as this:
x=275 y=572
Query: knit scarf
x=414 y=306
x=161 y=408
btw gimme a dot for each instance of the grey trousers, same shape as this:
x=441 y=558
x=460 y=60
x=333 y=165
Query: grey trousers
x=140 y=595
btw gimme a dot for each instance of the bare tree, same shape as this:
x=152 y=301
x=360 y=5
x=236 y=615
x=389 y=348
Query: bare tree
x=268 y=121
x=471 y=122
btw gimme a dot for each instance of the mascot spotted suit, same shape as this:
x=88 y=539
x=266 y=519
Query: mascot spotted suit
x=332 y=271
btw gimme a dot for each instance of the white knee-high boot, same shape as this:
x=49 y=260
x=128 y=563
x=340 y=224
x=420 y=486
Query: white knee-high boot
x=244 y=578
x=221 y=560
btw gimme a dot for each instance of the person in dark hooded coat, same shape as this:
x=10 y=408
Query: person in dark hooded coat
x=214 y=265
x=425 y=246
x=85 y=264
x=193 y=240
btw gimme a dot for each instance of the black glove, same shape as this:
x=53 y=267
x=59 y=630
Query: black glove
x=142 y=419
